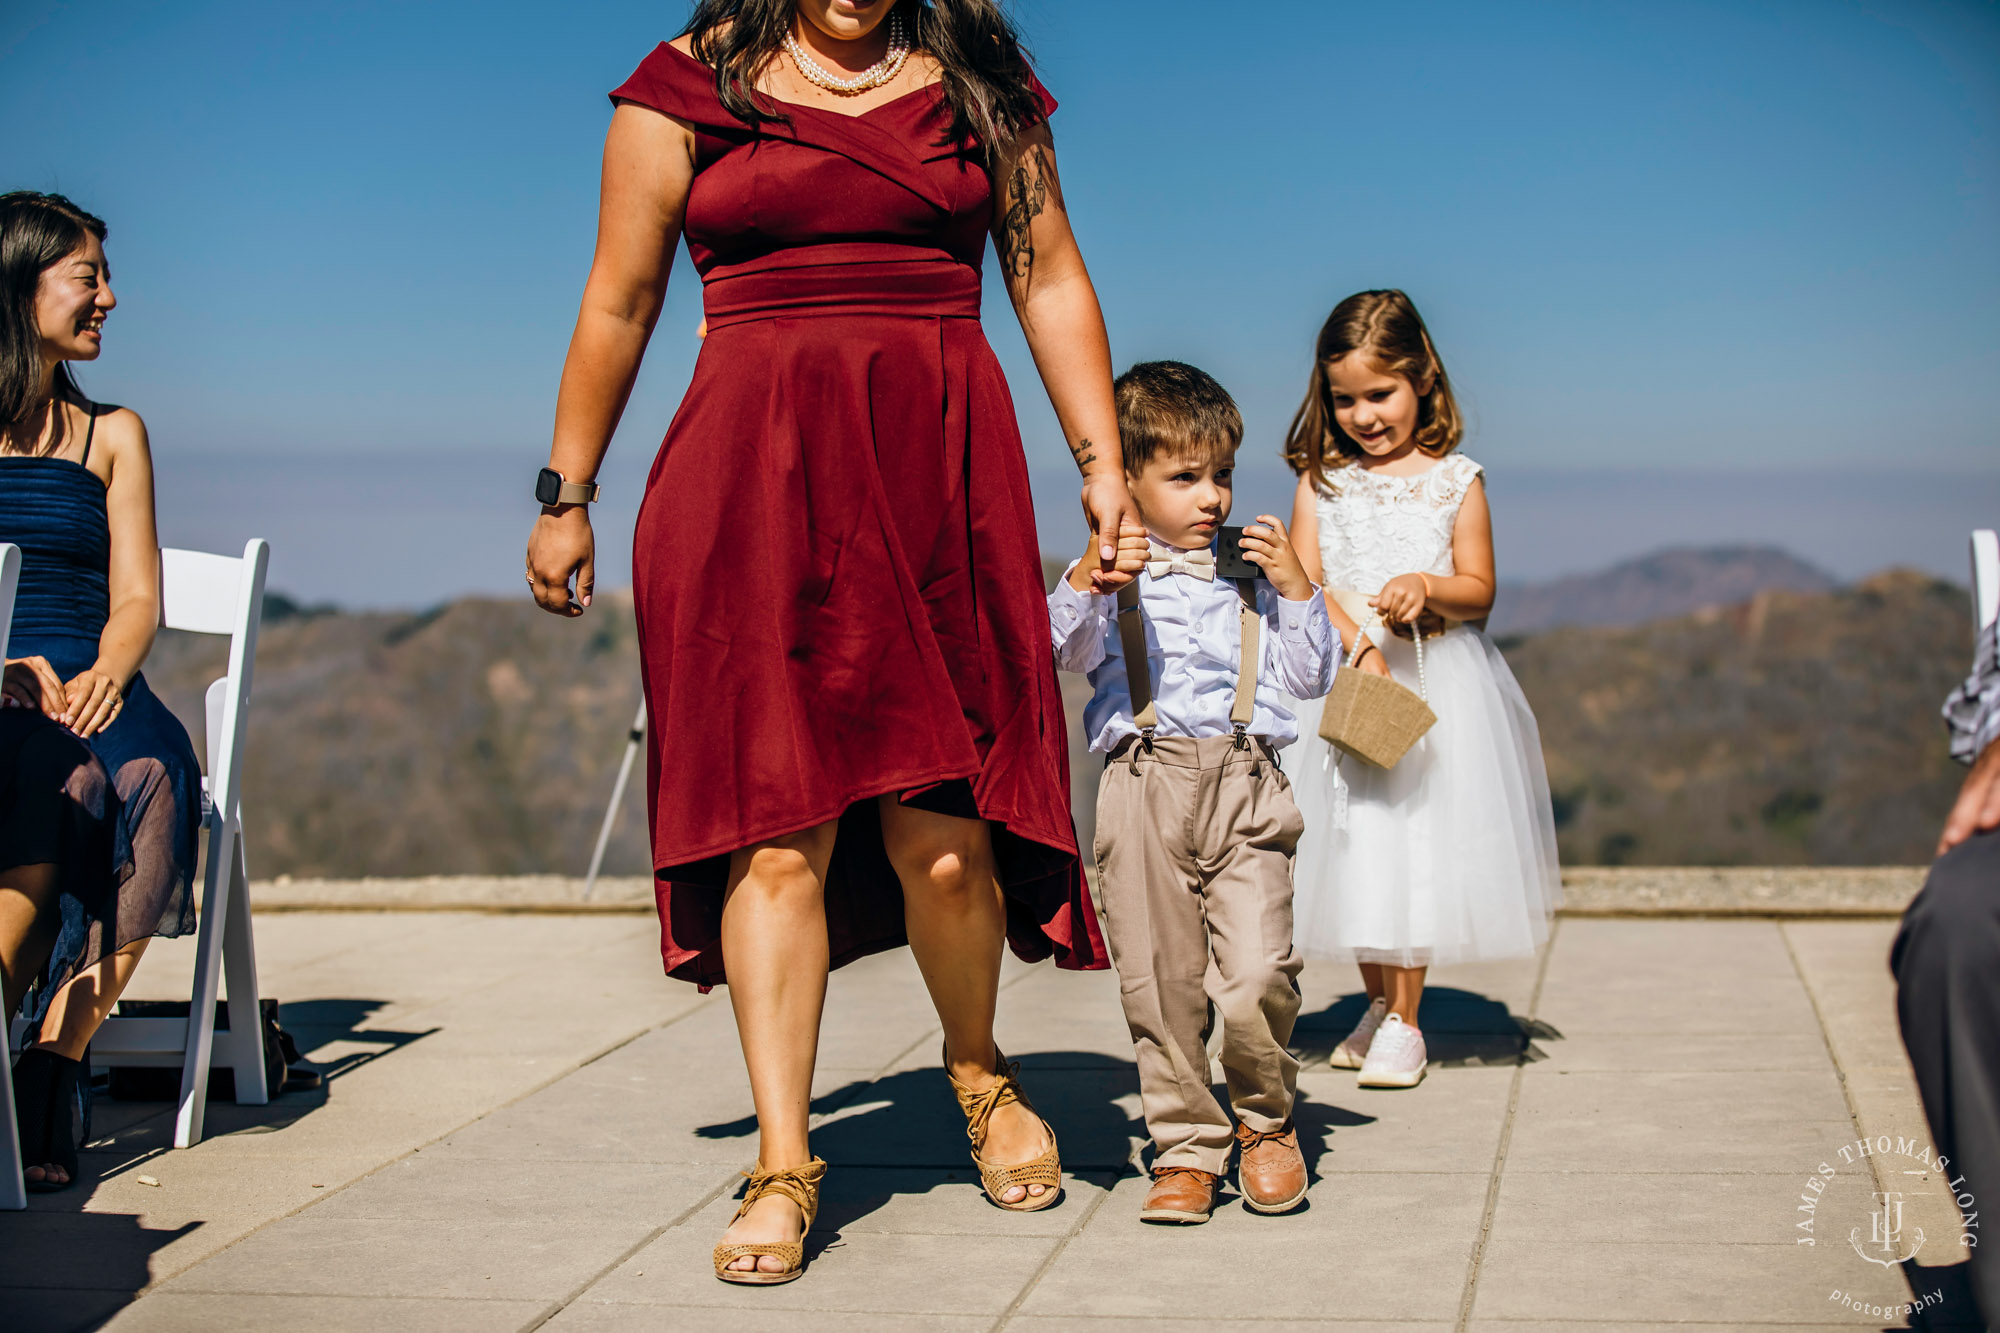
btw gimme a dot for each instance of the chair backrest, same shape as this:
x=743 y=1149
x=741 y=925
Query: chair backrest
x=220 y=594
x=10 y=579
x=1985 y=579
x=200 y=592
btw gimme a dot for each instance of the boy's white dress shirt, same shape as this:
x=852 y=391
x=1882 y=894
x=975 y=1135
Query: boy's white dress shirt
x=1194 y=643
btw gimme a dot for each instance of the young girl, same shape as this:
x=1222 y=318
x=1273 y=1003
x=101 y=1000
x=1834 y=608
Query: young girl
x=1450 y=855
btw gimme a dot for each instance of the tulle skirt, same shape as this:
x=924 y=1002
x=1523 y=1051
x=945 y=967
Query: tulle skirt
x=1450 y=856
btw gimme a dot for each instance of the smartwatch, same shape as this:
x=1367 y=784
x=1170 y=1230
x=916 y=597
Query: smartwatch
x=551 y=489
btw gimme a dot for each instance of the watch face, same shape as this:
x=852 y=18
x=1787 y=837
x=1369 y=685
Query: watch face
x=548 y=486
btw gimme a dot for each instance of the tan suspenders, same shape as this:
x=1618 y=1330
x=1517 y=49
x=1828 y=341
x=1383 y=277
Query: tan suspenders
x=1139 y=673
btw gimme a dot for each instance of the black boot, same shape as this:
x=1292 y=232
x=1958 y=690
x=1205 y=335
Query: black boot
x=44 y=1093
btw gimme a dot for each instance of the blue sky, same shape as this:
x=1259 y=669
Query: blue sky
x=1754 y=239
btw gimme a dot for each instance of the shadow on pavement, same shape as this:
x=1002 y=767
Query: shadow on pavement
x=71 y=1270
x=62 y=1268
x=127 y=1132
x=1461 y=1028
x=315 y=1024
x=906 y=1134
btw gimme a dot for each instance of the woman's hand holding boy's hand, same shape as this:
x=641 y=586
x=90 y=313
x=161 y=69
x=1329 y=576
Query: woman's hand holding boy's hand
x=1268 y=546
x=1091 y=576
x=1402 y=599
x=1108 y=508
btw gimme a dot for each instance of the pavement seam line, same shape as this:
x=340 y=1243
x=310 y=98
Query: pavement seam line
x=358 y=1036
x=1062 y=1243
x=727 y=1185
x=576 y=1293
x=1056 y=1251
x=1471 y=1289
x=1832 y=1055
x=156 y=1283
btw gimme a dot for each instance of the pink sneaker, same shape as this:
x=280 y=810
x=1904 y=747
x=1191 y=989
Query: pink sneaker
x=1395 y=1056
x=1351 y=1052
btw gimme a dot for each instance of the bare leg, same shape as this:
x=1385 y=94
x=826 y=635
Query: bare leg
x=957 y=925
x=84 y=1002
x=28 y=926
x=774 y=941
x=1371 y=981
x=1405 y=988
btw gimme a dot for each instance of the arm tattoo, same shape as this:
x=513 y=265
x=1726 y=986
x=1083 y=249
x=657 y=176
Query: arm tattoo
x=1084 y=452
x=1027 y=199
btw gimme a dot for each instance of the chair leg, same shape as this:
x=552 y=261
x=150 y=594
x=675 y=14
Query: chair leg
x=13 y=1188
x=207 y=979
x=239 y=968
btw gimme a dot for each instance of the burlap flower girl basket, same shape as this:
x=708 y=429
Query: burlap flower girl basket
x=1372 y=717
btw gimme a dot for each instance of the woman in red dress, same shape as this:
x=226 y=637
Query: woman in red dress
x=855 y=738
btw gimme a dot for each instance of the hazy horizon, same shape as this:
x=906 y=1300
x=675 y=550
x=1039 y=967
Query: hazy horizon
x=380 y=531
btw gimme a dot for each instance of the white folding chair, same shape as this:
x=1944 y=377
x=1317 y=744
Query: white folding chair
x=1985 y=579
x=212 y=594
x=13 y=1192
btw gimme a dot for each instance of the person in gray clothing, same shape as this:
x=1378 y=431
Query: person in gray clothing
x=1947 y=964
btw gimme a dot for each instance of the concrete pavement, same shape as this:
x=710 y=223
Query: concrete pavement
x=528 y=1127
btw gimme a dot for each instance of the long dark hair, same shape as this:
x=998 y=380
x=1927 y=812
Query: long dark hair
x=1383 y=326
x=37 y=231
x=986 y=77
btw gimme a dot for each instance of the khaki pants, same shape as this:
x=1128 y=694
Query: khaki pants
x=1194 y=856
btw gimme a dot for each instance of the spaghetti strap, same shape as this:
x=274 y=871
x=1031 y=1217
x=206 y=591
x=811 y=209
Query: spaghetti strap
x=89 y=433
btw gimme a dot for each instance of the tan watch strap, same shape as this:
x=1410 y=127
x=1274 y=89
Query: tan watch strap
x=577 y=493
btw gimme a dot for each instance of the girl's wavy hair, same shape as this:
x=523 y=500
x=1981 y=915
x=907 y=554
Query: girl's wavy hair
x=987 y=83
x=1383 y=326
x=37 y=231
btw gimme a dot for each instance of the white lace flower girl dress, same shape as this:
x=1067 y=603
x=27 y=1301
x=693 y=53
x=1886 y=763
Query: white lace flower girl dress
x=1450 y=855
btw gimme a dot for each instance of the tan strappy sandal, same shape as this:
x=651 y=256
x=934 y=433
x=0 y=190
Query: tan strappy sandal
x=998 y=1177
x=800 y=1184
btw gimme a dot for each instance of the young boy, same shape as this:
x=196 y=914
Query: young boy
x=1195 y=823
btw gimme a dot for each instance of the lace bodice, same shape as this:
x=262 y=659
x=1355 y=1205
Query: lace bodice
x=1373 y=527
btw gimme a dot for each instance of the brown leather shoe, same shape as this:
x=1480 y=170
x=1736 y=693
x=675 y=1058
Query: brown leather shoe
x=1179 y=1194
x=1270 y=1168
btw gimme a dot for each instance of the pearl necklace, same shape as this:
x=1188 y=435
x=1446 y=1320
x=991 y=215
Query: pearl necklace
x=877 y=74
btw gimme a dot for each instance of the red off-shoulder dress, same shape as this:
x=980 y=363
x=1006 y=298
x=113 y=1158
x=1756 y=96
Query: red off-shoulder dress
x=839 y=590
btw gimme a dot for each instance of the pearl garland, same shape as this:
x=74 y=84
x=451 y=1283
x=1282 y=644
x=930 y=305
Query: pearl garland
x=877 y=74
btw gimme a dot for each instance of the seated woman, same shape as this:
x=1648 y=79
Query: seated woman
x=60 y=865
x=76 y=495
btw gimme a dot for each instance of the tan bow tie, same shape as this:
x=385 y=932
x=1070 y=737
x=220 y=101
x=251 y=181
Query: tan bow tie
x=1164 y=560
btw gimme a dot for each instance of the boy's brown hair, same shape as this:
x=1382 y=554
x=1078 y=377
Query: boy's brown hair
x=1169 y=407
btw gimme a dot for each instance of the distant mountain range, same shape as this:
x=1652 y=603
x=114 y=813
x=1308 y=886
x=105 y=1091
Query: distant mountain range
x=1750 y=722
x=1788 y=729
x=1667 y=583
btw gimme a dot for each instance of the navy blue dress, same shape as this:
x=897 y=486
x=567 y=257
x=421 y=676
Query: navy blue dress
x=54 y=510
